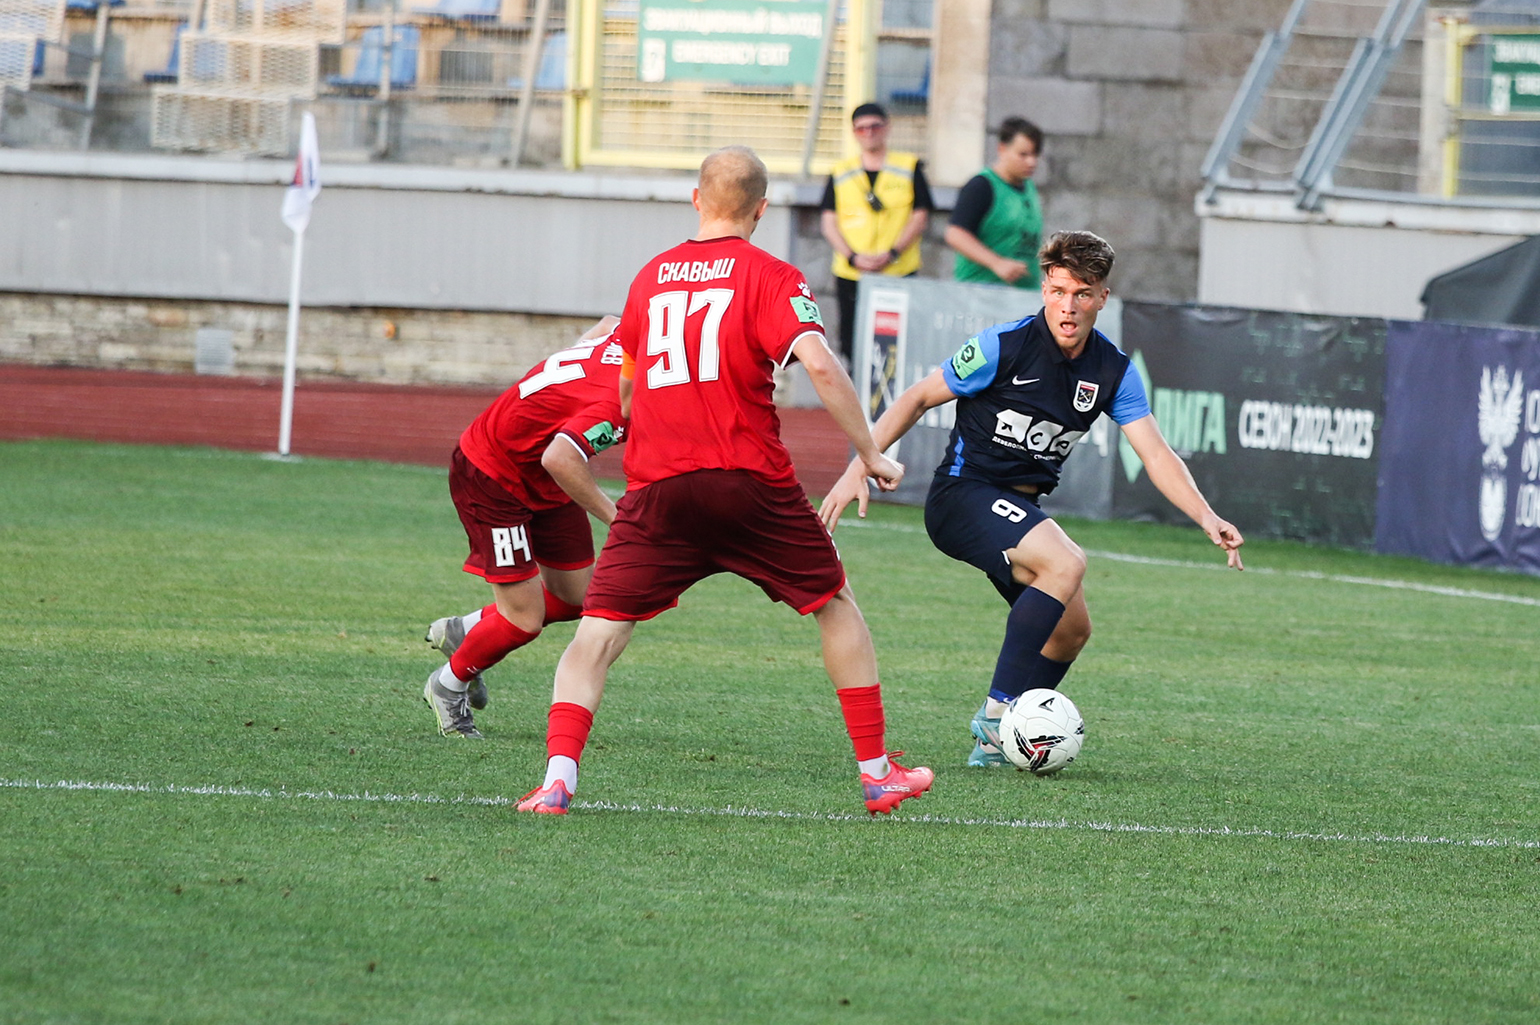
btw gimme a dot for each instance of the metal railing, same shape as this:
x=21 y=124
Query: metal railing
x=1441 y=104
x=1331 y=100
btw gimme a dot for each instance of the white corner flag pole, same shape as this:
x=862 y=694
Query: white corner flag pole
x=296 y=214
x=291 y=347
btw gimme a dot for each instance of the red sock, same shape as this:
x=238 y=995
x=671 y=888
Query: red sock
x=567 y=730
x=864 y=720
x=487 y=643
x=558 y=611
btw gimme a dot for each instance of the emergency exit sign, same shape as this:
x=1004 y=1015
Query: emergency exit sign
x=1515 y=73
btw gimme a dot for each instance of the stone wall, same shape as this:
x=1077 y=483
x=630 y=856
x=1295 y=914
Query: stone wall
x=1129 y=94
x=388 y=346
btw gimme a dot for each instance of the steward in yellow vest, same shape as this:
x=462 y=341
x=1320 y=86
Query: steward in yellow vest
x=873 y=211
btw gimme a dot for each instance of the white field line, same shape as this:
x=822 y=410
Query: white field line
x=1219 y=564
x=758 y=813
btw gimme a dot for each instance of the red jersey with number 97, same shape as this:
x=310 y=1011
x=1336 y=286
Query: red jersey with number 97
x=574 y=392
x=707 y=323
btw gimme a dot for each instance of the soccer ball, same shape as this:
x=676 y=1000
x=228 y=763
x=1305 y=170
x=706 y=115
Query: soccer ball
x=1041 y=731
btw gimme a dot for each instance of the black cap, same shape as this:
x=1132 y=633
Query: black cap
x=868 y=110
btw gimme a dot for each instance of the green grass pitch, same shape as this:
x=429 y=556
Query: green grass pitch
x=1304 y=797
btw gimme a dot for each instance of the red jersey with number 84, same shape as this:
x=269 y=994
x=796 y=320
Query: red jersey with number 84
x=707 y=323
x=575 y=392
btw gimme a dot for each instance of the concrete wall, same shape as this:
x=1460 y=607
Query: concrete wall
x=420 y=237
x=1129 y=94
x=386 y=345
x=1353 y=258
x=116 y=261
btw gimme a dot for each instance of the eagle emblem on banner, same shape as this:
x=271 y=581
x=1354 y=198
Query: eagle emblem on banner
x=1499 y=407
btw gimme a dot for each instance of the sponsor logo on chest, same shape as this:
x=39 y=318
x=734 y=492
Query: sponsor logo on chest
x=1017 y=430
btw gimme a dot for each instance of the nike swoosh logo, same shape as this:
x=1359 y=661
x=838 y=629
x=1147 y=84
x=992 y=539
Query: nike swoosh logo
x=1030 y=380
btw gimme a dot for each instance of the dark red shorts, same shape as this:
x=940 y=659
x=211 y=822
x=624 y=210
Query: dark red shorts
x=668 y=535
x=508 y=542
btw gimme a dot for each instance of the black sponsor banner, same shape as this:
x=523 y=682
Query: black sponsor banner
x=1276 y=414
x=1460 y=459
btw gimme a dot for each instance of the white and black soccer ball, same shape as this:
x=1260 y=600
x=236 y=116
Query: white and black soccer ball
x=1041 y=731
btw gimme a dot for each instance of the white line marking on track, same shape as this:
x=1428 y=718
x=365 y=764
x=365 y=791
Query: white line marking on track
x=1302 y=574
x=214 y=790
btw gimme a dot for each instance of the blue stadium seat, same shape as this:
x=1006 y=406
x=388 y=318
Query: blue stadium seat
x=463 y=10
x=553 y=65
x=173 y=63
x=913 y=97
x=366 y=73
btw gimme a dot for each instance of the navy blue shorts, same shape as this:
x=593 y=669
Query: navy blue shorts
x=977 y=523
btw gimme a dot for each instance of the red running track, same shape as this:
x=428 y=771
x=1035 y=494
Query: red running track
x=392 y=423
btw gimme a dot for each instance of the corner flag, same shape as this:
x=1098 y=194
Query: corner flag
x=307 y=178
x=296 y=214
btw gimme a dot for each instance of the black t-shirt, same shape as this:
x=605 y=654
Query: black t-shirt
x=973 y=202
x=922 y=200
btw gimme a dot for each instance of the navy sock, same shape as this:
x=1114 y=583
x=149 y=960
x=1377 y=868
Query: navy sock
x=1047 y=673
x=1031 y=621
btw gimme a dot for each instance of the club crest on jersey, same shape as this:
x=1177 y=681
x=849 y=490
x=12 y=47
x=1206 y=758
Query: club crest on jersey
x=1085 y=395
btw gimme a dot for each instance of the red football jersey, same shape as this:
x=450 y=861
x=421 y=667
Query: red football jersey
x=574 y=392
x=707 y=323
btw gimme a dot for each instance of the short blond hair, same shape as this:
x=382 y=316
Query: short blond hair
x=732 y=182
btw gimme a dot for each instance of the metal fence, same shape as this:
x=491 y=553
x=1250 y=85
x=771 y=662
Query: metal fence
x=1492 y=102
x=441 y=82
x=240 y=73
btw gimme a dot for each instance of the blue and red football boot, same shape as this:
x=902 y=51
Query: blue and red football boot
x=551 y=800
x=900 y=784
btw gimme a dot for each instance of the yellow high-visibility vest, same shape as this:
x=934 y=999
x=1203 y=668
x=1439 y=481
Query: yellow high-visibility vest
x=873 y=231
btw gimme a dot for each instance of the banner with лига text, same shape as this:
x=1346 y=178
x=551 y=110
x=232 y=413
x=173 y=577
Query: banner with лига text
x=1460 y=459
x=1276 y=414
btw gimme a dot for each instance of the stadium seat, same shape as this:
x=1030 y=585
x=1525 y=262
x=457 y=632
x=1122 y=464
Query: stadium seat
x=915 y=97
x=463 y=10
x=553 y=65
x=170 y=71
x=366 y=73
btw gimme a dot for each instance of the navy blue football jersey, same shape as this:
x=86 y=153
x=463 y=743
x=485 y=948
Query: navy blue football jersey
x=1021 y=406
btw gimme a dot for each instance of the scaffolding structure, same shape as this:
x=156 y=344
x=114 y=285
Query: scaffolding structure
x=242 y=73
x=25 y=25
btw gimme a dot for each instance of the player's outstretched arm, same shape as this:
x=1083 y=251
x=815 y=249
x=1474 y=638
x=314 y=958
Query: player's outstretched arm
x=569 y=469
x=1170 y=474
x=894 y=423
x=839 y=397
x=602 y=327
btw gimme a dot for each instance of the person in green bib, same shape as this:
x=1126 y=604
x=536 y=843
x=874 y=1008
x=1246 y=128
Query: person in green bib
x=997 y=223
